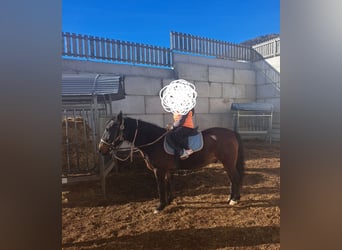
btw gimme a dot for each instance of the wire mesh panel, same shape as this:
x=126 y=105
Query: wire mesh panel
x=79 y=141
x=80 y=136
x=253 y=119
x=86 y=98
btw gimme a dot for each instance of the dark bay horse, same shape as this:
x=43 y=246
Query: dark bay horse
x=220 y=144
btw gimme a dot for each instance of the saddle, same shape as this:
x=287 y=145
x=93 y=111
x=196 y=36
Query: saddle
x=195 y=143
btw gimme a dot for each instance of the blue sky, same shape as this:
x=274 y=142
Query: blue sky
x=151 y=21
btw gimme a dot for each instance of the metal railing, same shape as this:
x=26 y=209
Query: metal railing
x=79 y=143
x=268 y=48
x=92 y=47
x=220 y=49
x=210 y=47
x=270 y=73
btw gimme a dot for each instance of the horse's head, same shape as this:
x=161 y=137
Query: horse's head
x=113 y=135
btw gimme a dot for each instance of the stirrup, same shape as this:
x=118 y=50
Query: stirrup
x=186 y=154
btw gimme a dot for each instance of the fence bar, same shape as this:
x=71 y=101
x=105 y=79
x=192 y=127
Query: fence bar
x=268 y=48
x=209 y=47
x=84 y=46
x=77 y=45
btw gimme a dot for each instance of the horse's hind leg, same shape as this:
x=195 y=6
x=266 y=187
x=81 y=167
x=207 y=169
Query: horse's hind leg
x=235 y=182
x=235 y=192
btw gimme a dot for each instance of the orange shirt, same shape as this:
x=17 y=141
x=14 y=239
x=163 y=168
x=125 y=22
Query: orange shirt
x=188 y=121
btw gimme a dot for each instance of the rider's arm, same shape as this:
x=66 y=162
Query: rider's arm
x=183 y=118
x=180 y=122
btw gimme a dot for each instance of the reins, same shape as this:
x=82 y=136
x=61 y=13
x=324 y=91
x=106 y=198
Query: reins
x=133 y=148
x=156 y=140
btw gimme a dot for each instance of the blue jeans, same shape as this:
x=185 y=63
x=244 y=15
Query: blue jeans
x=178 y=139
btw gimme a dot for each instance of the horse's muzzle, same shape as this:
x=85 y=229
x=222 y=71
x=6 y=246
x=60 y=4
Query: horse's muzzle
x=103 y=149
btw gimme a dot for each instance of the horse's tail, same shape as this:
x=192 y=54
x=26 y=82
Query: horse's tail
x=240 y=164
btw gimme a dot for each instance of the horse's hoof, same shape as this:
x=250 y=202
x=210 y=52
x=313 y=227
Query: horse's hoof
x=169 y=201
x=159 y=208
x=232 y=202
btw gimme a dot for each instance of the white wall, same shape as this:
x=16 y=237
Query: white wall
x=275 y=62
x=218 y=82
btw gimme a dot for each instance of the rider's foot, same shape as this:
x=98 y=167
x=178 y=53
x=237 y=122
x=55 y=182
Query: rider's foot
x=186 y=153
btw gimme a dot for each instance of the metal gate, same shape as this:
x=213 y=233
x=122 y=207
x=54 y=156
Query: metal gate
x=86 y=103
x=80 y=136
x=253 y=119
x=79 y=132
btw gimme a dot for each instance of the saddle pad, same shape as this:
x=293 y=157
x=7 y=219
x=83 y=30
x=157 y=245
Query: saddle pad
x=195 y=143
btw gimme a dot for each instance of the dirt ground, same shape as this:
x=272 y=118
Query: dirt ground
x=199 y=217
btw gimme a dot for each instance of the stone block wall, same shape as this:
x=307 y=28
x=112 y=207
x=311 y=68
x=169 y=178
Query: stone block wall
x=218 y=83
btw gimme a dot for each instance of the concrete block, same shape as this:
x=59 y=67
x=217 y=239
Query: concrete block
x=191 y=72
x=73 y=66
x=130 y=105
x=168 y=118
x=242 y=76
x=202 y=89
x=219 y=105
x=205 y=121
x=250 y=91
x=240 y=91
x=228 y=90
x=217 y=74
x=156 y=119
x=167 y=81
x=275 y=62
x=261 y=79
x=135 y=85
x=153 y=105
x=215 y=89
x=215 y=62
x=267 y=90
x=202 y=105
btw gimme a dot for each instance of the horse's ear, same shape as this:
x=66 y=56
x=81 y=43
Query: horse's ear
x=119 y=117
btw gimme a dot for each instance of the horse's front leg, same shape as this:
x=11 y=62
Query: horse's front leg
x=160 y=178
x=169 y=188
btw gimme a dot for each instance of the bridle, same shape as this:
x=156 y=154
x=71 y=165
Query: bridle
x=120 y=138
x=116 y=143
x=106 y=143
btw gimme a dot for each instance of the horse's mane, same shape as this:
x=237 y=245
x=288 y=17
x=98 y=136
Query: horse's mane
x=146 y=124
x=147 y=131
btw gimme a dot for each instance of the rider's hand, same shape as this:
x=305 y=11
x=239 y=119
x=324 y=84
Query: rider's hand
x=169 y=126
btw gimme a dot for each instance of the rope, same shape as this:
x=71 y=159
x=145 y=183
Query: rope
x=130 y=155
x=133 y=148
x=156 y=140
